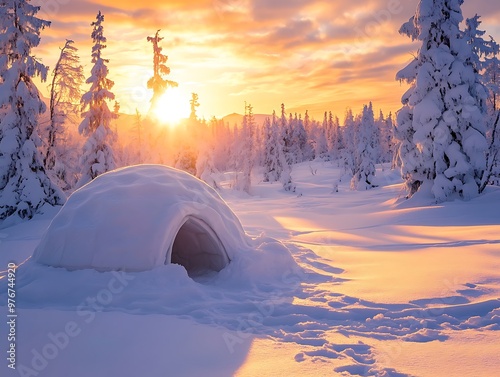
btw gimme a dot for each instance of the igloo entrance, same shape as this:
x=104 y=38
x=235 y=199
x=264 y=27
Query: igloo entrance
x=197 y=248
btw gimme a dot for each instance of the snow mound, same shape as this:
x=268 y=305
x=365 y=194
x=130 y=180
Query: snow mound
x=141 y=217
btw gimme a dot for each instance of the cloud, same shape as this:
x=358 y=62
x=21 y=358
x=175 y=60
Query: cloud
x=265 y=52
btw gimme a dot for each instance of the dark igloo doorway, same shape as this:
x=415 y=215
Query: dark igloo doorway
x=198 y=249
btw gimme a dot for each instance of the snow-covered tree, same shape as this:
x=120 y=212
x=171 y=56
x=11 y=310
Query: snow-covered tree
x=205 y=168
x=274 y=157
x=309 y=126
x=365 y=152
x=441 y=125
x=193 y=102
x=483 y=51
x=286 y=134
x=349 y=132
x=186 y=158
x=24 y=186
x=278 y=166
x=223 y=137
x=97 y=157
x=286 y=177
x=245 y=161
x=385 y=134
x=492 y=174
x=158 y=83
x=138 y=130
x=65 y=95
x=334 y=137
x=483 y=59
x=298 y=139
x=321 y=141
x=491 y=78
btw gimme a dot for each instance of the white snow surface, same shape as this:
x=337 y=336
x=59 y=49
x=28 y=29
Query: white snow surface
x=333 y=284
x=128 y=219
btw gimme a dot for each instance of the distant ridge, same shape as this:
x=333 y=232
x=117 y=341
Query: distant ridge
x=237 y=119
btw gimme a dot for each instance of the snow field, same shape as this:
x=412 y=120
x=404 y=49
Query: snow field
x=346 y=283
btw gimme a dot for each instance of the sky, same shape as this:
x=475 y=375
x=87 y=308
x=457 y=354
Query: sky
x=308 y=54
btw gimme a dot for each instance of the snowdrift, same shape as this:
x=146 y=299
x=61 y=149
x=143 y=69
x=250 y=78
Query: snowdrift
x=141 y=217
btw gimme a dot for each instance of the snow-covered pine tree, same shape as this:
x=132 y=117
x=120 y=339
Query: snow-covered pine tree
x=205 y=168
x=492 y=81
x=290 y=151
x=222 y=144
x=349 y=132
x=491 y=77
x=272 y=147
x=492 y=175
x=385 y=128
x=97 y=156
x=24 y=186
x=285 y=161
x=334 y=137
x=286 y=134
x=321 y=142
x=186 y=158
x=65 y=95
x=259 y=145
x=484 y=53
x=158 y=83
x=138 y=138
x=194 y=104
x=269 y=150
x=276 y=166
x=286 y=177
x=309 y=153
x=245 y=152
x=441 y=125
x=298 y=140
x=365 y=152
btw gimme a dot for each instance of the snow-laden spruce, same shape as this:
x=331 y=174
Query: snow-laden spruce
x=141 y=217
x=97 y=155
x=158 y=83
x=24 y=185
x=365 y=154
x=245 y=151
x=65 y=96
x=275 y=164
x=441 y=126
x=349 y=135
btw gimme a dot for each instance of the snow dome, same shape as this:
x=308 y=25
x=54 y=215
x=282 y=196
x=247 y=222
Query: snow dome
x=140 y=217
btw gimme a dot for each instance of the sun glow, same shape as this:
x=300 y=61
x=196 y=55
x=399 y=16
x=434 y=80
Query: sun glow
x=172 y=107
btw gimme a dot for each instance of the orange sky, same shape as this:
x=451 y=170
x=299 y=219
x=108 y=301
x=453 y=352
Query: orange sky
x=309 y=54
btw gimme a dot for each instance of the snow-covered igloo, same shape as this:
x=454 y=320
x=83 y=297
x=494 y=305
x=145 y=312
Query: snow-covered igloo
x=140 y=217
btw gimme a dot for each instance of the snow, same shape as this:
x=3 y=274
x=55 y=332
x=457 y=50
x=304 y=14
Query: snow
x=333 y=283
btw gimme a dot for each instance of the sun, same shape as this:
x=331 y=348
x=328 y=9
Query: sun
x=172 y=107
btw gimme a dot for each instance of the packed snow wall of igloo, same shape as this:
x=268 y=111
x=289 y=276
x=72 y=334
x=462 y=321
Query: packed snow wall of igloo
x=140 y=217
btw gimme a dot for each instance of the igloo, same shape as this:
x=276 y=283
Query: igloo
x=140 y=217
